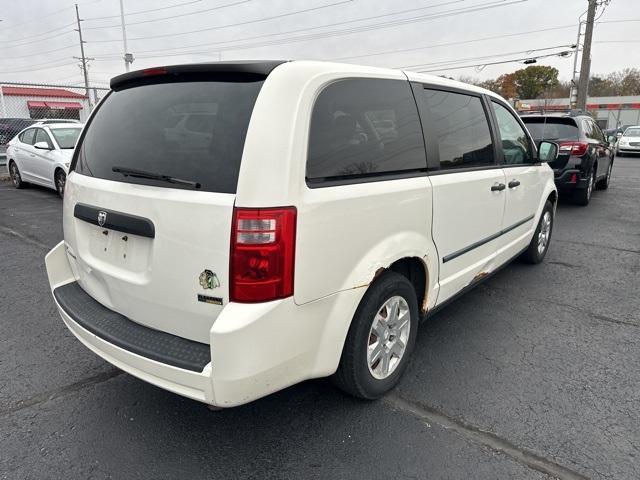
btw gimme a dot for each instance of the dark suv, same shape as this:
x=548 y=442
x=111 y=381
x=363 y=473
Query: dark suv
x=585 y=157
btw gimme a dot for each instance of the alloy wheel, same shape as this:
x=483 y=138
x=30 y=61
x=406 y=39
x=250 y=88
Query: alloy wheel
x=590 y=186
x=388 y=337
x=60 y=181
x=545 y=232
x=15 y=175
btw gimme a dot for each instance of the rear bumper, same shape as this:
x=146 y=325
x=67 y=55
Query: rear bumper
x=255 y=349
x=564 y=179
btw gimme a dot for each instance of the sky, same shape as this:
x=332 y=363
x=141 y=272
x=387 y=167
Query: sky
x=38 y=41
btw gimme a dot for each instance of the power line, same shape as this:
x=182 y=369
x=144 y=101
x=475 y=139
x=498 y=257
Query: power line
x=565 y=53
x=445 y=63
x=172 y=17
x=386 y=52
x=33 y=68
x=40 y=53
x=164 y=35
x=314 y=28
x=144 y=11
x=39 y=40
x=13 y=40
x=617 y=41
x=391 y=23
x=449 y=44
x=38 y=19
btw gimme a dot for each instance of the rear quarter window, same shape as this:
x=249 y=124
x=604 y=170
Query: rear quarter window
x=191 y=130
x=363 y=128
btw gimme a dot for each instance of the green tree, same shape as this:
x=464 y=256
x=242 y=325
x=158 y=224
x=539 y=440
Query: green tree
x=533 y=81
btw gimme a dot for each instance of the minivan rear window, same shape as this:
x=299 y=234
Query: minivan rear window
x=190 y=130
x=552 y=128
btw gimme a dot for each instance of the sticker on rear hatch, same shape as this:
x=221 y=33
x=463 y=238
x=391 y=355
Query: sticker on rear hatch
x=209 y=279
x=208 y=299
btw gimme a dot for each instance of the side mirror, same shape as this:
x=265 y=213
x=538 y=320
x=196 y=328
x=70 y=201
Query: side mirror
x=547 y=151
x=41 y=146
x=619 y=134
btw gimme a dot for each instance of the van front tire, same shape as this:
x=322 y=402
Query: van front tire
x=382 y=334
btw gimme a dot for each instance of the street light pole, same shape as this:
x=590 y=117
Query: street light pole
x=128 y=57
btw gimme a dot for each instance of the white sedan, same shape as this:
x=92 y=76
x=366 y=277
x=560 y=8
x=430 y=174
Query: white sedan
x=41 y=154
x=629 y=142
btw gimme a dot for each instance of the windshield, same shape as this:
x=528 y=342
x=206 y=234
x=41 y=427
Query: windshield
x=552 y=128
x=632 y=132
x=192 y=130
x=66 y=137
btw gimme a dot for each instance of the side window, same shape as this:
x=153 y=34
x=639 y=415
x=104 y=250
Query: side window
x=597 y=133
x=515 y=143
x=27 y=136
x=588 y=129
x=42 y=136
x=364 y=127
x=461 y=128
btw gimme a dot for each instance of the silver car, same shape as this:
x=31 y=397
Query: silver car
x=629 y=142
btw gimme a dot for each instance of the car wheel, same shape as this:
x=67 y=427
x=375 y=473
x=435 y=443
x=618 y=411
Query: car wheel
x=539 y=245
x=380 y=339
x=582 y=196
x=16 y=178
x=619 y=154
x=60 y=180
x=603 y=184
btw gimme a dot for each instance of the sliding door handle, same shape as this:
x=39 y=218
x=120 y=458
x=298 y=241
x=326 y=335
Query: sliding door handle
x=514 y=183
x=498 y=187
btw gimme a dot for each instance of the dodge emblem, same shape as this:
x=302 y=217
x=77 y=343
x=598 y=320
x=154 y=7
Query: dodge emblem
x=102 y=217
x=208 y=279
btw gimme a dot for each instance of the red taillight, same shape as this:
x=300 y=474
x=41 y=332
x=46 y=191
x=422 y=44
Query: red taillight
x=262 y=254
x=148 y=72
x=574 y=148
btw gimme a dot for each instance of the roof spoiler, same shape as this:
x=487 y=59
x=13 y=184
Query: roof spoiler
x=259 y=69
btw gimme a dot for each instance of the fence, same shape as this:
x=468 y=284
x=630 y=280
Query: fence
x=22 y=104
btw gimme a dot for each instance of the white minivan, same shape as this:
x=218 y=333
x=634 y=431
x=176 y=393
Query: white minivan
x=331 y=209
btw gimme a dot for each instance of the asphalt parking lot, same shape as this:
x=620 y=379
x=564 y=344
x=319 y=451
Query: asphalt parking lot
x=534 y=374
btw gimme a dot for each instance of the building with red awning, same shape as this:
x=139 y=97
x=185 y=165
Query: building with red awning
x=42 y=102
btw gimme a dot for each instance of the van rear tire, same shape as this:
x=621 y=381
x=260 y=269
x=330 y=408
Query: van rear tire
x=376 y=334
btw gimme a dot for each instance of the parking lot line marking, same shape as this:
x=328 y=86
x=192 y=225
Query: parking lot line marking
x=62 y=391
x=485 y=438
x=13 y=233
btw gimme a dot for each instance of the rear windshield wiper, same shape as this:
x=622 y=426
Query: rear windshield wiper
x=131 y=172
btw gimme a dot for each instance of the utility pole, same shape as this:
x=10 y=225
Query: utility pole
x=573 y=93
x=585 y=66
x=128 y=57
x=82 y=58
